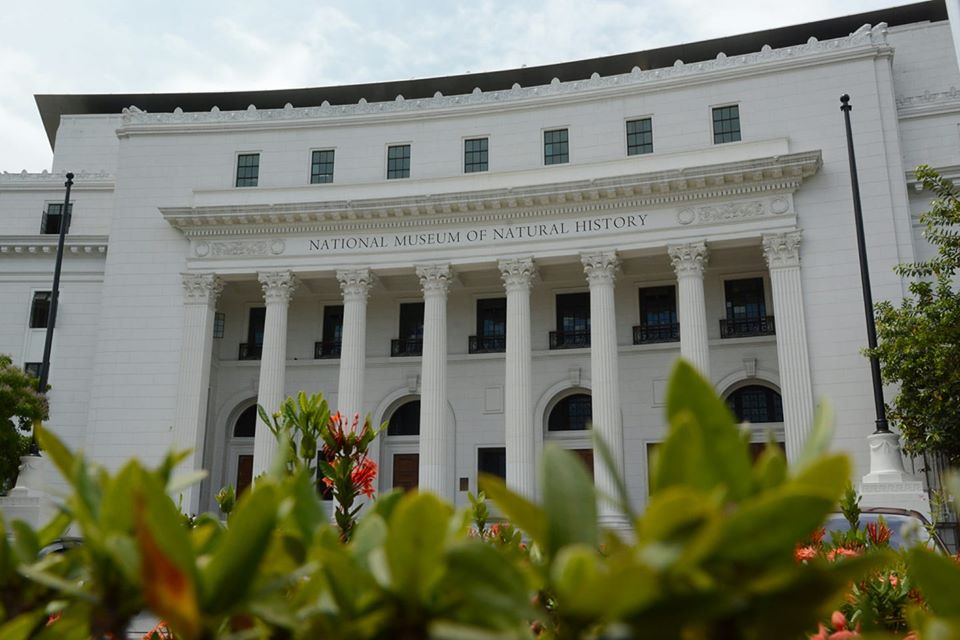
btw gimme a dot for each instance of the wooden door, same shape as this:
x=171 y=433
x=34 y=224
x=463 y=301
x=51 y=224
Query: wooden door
x=244 y=472
x=406 y=471
x=586 y=457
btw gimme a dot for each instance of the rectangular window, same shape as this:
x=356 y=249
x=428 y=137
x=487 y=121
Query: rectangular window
x=556 y=147
x=398 y=161
x=492 y=461
x=219 y=320
x=639 y=136
x=329 y=347
x=726 y=124
x=248 y=169
x=573 y=321
x=253 y=347
x=32 y=368
x=491 y=326
x=658 y=316
x=746 y=309
x=321 y=167
x=53 y=216
x=40 y=310
x=475 y=155
x=410 y=342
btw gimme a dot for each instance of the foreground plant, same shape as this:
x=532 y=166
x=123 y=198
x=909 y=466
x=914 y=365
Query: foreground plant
x=712 y=557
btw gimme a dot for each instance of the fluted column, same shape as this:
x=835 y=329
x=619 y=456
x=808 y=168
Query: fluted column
x=199 y=302
x=601 y=270
x=688 y=262
x=278 y=287
x=518 y=275
x=355 y=285
x=436 y=441
x=782 y=251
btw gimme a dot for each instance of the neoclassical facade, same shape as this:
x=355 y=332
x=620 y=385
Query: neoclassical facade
x=488 y=267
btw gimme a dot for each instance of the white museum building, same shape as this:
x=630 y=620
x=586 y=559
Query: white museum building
x=490 y=261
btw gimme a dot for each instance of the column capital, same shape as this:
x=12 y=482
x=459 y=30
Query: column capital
x=600 y=267
x=689 y=259
x=782 y=249
x=355 y=283
x=201 y=288
x=434 y=278
x=517 y=273
x=278 y=286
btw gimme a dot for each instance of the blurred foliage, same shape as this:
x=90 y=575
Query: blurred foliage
x=711 y=558
x=20 y=407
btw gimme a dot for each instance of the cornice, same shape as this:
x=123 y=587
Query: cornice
x=45 y=181
x=929 y=103
x=47 y=244
x=782 y=174
x=866 y=41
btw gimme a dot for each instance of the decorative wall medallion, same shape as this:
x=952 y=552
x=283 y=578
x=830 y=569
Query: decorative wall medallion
x=277 y=247
x=202 y=249
x=779 y=205
x=686 y=216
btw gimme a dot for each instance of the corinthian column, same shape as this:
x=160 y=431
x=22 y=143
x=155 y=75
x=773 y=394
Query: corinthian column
x=601 y=270
x=782 y=251
x=688 y=262
x=355 y=285
x=436 y=441
x=200 y=293
x=518 y=275
x=278 y=287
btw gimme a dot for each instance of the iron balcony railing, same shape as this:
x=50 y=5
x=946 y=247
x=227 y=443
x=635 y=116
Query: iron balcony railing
x=653 y=333
x=250 y=351
x=747 y=327
x=569 y=339
x=406 y=347
x=326 y=349
x=487 y=344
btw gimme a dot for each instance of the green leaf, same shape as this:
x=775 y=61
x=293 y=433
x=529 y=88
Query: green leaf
x=25 y=542
x=53 y=529
x=770 y=469
x=827 y=475
x=22 y=627
x=227 y=577
x=938 y=578
x=569 y=501
x=522 y=513
x=728 y=459
x=681 y=460
x=414 y=546
x=117 y=508
x=52 y=445
x=623 y=496
x=818 y=441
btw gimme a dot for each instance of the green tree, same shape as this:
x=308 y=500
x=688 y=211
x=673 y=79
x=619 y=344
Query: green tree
x=919 y=341
x=20 y=406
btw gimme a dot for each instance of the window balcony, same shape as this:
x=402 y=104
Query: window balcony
x=326 y=349
x=487 y=344
x=250 y=351
x=654 y=333
x=406 y=347
x=747 y=327
x=569 y=339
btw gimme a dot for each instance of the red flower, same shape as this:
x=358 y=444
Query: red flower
x=838 y=621
x=804 y=554
x=878 y=533
x=363 y=476
x=842 y=551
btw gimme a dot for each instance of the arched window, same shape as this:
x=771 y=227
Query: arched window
x=246 y=424
x=756 y=404
x=573 y=413
x=405 y=420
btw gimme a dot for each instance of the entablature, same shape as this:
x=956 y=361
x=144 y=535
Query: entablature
x=47 y=244
x=723 y=181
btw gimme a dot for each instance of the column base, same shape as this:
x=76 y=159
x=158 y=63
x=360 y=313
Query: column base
x=888 y=484
x=618 y=523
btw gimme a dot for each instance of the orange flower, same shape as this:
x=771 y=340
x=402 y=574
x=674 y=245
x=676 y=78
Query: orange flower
x=804 y=554
x=363 y=476
x=894 y=580
x=838 y=621
x=842 y=551
x=878 y=533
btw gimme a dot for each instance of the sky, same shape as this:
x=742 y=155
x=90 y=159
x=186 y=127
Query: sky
x=132 y=46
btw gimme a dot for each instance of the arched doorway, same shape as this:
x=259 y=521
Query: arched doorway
x=240 y=450
x=401 y=445
x=753 y=403
x=567 y=424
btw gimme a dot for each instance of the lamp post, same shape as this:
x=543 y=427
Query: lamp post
x=887 y=484
x=54 y=299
